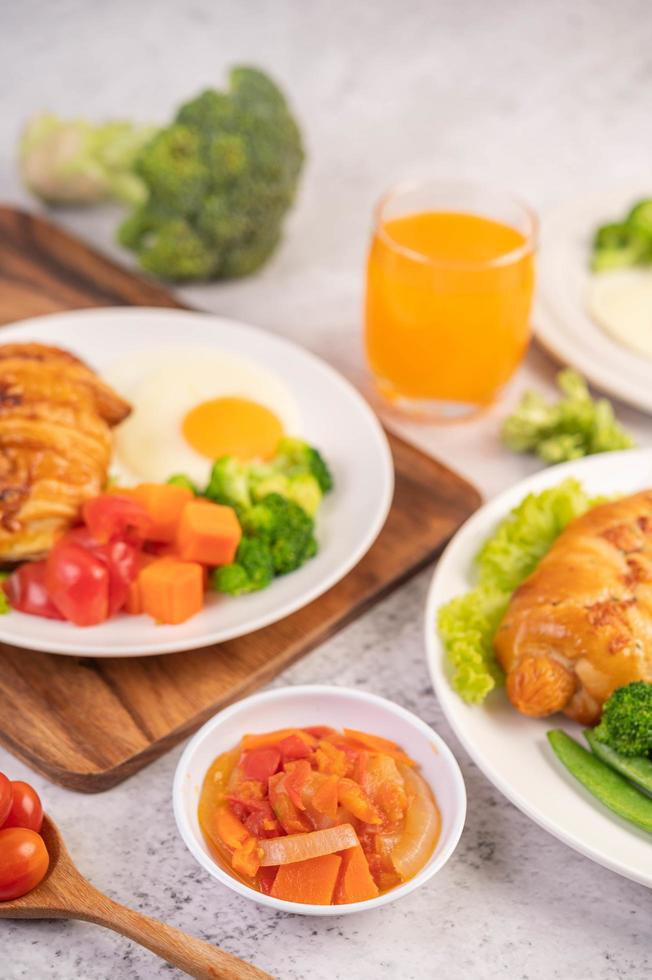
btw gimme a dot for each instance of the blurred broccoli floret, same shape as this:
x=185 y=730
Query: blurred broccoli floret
x=303 y=488
x=252 y=570
x=576 y=425
x=229 y=484
x=73 y=161
x=621 y=244
x=294 y=457
x=285 y=527
x=626 y=723
x=181 y=480
x=220 y=180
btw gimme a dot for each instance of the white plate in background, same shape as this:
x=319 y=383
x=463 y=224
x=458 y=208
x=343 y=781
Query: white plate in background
x=511 y=749
x=563 y=324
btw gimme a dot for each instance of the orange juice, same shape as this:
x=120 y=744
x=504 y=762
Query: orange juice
x=448 y=304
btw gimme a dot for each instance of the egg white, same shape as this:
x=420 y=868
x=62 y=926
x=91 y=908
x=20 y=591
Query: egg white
x=149 y=445
x=621 y=303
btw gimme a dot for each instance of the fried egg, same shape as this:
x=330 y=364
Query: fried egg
x=193 y=405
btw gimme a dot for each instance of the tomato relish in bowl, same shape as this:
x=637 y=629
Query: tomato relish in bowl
x=318 y=816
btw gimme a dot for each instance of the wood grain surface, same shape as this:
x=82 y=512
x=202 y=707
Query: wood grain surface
x=88 y=724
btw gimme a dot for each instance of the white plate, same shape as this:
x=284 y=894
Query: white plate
x=509 y=748
x=333 y=417
x=563 y=324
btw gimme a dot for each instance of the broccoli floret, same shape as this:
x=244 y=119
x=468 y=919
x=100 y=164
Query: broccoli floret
x=285 y=527
x=229 y=484
x=252 y=570
x=640 y=219
x=181 y=480
x=305 y=491
x=220 y=180
x=626 y=723
x=294 y=456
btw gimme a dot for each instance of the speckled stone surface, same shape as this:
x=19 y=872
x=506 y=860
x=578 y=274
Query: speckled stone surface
x=546 y=98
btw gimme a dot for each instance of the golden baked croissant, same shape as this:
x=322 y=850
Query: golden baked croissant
x=55 y=444
x=581 y=625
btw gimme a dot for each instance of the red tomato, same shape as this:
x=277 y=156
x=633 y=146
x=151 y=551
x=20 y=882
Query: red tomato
x=24 y=859
x=119 y=556
x=261 y=763
x=78 y=583
x=27 y=591
x=108 y=516
x=293 y=748
x=5 y=798
x=25 y=810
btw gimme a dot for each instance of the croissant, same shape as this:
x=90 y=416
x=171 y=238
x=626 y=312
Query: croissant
x=55 y=444
x=581 y=625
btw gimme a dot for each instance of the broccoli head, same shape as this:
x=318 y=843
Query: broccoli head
x=220 y=180
x=229 y=484
x=294 y=456
x=252 y=570
x=285 y=527
x=626 y=723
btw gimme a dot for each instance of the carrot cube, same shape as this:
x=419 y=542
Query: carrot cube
x=164 y=504
x=355 y=883
x=134 y=602
x=208 y=533
x=310 y=882
x=172 y=591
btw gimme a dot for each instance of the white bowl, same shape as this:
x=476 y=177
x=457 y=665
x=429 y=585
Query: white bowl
x=338 y=707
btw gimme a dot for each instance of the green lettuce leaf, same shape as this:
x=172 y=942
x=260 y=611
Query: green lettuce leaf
x=468 y=623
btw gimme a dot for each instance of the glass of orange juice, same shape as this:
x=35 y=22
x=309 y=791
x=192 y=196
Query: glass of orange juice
x=450 y=278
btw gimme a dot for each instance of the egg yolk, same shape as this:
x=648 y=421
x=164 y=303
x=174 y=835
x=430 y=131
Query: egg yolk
x=232 y=427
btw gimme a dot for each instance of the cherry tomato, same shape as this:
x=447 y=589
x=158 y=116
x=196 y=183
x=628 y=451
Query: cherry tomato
x=78 y=583
x=5 y=798
x=108 y=516
x=24 y=860
x=25 y=810
x=27 y=591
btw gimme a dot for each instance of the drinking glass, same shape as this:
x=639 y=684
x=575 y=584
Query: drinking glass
x=450 y=278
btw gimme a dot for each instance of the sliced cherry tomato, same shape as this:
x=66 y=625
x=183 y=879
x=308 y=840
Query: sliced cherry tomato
x=261 y=763
x=108 y=516
x=78 y=583
x=5 y=798
x=27 y=591
x=24 y=860
x=25 y=810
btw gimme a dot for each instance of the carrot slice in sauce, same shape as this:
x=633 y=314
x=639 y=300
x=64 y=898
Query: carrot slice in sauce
x=310 y=882
x=355 y=883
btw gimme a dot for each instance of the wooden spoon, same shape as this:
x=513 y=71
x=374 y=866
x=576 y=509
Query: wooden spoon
x=65 y=894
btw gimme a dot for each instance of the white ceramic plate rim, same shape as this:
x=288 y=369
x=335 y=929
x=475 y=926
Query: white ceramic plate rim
x=378 y=511
x=480 y=525
x=354 y=695
x=563 y=326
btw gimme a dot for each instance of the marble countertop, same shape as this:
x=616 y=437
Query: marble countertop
x=544 y=98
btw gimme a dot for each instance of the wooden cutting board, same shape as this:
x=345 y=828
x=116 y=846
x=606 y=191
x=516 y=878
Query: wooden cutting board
x=88 y=724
